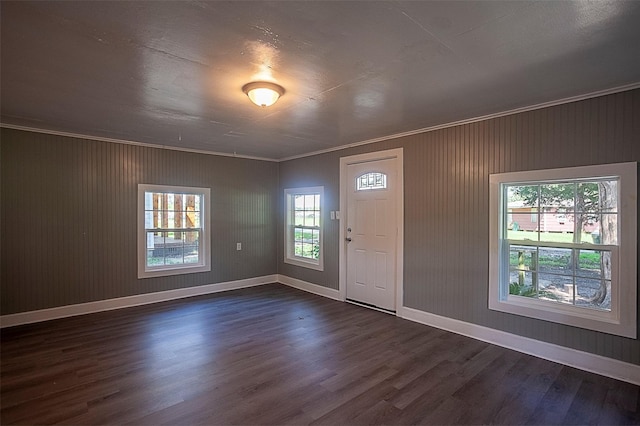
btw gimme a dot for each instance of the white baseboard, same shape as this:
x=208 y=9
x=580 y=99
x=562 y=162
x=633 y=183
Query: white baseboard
x=582 y=360
x=571 y=357
x=310 y=287
x=574 y=358
x=125 y=302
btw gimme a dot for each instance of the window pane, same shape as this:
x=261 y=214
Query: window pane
x=191 y=253
x=555 y=288
x=557 y=228
x=155 y=248
x=372 y=180
x=148 y=200
x=171 y=248
x=604 y=229
x=307 y=250
x=522 y=196
x=560 y=196
x=299 y=217
x=307 y=243
x=307 y=235
x=172 y=210
x=594 y=294
x=298 y=202
x=587 y=197
x=523 y=258
x=158 y=201
x=152 y=259
x=148 y=220
x=555 y=260
x=598 y=197
x=590 y=264
x=310 y=219
x=309 y=202
x=523 y=220
x=192 y=220
x=191 y=238
x=522 y=284
x=305 y=219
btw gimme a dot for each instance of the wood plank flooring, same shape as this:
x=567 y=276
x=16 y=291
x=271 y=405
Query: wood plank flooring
x=276 y=355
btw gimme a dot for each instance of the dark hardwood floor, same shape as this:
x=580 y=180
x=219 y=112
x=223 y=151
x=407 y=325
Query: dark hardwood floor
x=276 y=355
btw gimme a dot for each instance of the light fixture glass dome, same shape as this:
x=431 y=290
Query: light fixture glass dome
x=263 y=93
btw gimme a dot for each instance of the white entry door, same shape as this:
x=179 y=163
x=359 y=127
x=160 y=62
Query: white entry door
x=371 y=232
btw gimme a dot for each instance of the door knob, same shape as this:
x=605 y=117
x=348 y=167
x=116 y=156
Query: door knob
x=348 y=239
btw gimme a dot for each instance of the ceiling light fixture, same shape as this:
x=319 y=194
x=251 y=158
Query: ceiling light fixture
x=263 y=93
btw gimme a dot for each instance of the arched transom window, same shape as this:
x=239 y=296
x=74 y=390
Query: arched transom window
x=372 y=180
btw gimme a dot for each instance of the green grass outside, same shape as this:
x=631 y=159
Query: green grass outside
x=586 y=260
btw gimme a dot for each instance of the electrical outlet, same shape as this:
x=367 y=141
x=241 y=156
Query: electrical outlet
x=238 y=246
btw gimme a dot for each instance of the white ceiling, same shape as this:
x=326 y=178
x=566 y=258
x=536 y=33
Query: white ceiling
x=171 y=73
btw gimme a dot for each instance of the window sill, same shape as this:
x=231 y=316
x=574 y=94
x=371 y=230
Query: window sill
x=173 y=270
x=590 y=319
x=304 y=263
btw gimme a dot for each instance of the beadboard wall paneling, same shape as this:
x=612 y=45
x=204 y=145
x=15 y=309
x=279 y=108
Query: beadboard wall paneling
x=69 y=218
x=69 y=229
x=446 y=175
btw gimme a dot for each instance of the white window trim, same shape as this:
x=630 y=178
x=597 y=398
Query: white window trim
x=621 y=320
x=204 y=265
x=289 y=256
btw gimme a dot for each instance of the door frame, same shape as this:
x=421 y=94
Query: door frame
x=396 y=154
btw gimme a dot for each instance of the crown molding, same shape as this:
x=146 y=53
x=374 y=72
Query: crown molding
x=557 y=102
x=128 y=142
x=548 y=104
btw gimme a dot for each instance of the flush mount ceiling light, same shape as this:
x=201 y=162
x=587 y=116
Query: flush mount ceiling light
x=263 y=93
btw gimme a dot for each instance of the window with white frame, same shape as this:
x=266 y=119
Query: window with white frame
x=303 y=227
x=173 y=230
x=371 y=180
x=563 y=246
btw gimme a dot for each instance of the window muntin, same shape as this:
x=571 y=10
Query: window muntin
x=563 y=246
x=172 y=236
x=564 y=218
x=306 y=221
x=372 y=180
x=303 y=227
x=560 y=275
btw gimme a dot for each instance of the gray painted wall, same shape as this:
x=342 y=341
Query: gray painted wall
x=446 y=175
x=69 y=230
x=69 y=218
